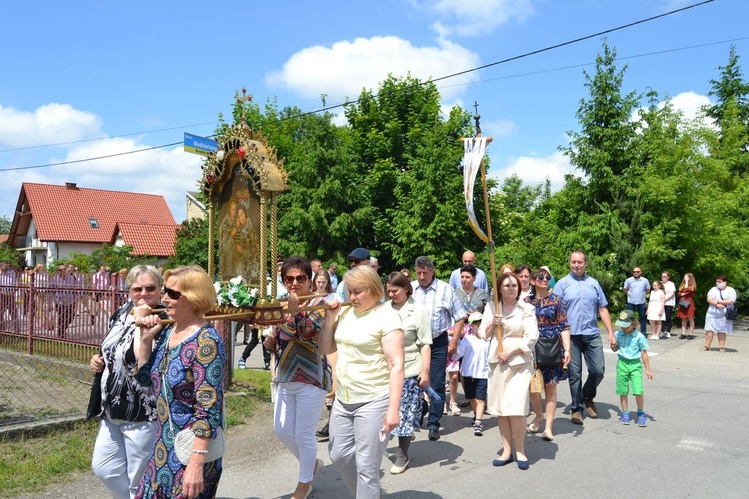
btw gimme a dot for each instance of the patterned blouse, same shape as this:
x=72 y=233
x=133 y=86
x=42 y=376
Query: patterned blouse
x=122 y=397
x=296 y=349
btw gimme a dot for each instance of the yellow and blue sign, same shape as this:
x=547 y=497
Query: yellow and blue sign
x=199 y=145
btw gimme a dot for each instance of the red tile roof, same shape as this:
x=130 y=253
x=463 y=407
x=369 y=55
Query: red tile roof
x=62 y=213
x=149 y=239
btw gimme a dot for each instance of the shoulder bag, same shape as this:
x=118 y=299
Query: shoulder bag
x=731 y=312
x=684 y=303
x=548 y=352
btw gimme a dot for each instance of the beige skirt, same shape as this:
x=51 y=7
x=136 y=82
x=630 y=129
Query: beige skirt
x=508 y=390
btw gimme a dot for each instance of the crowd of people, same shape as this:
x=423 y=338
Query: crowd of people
x=382 y=357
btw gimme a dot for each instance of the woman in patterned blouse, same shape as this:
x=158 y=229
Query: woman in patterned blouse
x=186 y=372
x=128 y=414
x=301 y=374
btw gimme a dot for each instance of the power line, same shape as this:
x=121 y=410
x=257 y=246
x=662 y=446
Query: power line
x=335 y=106
x=105 y=138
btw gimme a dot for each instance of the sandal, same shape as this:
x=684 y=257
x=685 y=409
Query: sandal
x=454 y=409
x=704 y=349
x=534 y=428
x=722 y=350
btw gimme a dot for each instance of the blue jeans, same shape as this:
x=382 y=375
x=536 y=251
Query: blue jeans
x=437 y=368
x=590 y=346
x=641 y=315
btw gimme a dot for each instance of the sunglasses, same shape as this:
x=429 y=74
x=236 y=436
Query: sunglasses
x=354 y=261
x=543 y=278
x=289 y=279
x=173 y=294
x=140 y=289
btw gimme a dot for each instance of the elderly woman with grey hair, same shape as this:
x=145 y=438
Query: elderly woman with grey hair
x=128 y=424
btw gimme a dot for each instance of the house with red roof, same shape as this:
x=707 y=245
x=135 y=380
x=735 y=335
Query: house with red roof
x=53 y=221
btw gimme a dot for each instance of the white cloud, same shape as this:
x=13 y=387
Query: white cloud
x=534 y=171
x=342 y=70
x=475 y=17
x=165 y=172
x=49 y=124
x=689 y=103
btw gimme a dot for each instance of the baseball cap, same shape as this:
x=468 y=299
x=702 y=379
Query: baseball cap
x=475 y=317
x=625 y=318
x=359 y=254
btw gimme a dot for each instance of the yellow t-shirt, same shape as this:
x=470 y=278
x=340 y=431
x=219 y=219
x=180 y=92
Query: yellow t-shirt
x=362 y=368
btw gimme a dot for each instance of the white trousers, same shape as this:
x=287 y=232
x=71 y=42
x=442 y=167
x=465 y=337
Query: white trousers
x=295 y=416
x=121 y=453
x=355 y=446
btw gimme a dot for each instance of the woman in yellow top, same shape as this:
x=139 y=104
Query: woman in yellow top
x=510 y=371
x=369 y=340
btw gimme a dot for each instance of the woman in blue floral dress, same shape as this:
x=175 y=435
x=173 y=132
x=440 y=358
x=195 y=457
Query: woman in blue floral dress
x=186 y=372
x=551 y=315
x=417 y=330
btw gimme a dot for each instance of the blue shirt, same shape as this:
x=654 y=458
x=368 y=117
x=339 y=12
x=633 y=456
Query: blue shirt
x=630 y=345
x=636 y=289
x=583 y=297
x=480 y=281
x=445 y=309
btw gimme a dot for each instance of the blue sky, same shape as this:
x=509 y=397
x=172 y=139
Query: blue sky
x=137 y=75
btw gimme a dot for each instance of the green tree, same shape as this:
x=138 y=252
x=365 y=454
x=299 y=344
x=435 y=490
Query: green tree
x=412 y=156
x=5 y=224
x=191 y=245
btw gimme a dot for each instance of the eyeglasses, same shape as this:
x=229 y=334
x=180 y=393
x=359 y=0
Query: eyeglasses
x=543 y=278
x=289 y=279
x=173 y=294
x=354 y=261
x=147 y=289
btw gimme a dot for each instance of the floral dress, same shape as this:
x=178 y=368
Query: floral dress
x=551 y=315
x=194 y=396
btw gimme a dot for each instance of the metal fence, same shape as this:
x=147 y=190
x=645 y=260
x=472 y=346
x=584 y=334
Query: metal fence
x=48 y=335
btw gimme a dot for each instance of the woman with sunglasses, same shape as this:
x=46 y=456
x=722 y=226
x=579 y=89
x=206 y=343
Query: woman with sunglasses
x=185 y=370
x=128 y=413
x=302 y=376
x=551 y=316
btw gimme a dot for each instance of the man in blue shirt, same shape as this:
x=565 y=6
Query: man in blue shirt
x=636 y=287
x=469 y=258
x=585 y=301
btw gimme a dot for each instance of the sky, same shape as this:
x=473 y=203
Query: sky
x=82 y=80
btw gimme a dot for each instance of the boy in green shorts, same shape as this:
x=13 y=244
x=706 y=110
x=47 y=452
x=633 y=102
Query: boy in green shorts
x=632 y=348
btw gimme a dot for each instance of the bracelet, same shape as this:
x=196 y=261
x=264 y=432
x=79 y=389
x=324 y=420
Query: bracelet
x=199 y=451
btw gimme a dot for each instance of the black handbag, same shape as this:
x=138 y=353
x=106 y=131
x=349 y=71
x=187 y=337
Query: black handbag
x=549 y=352
x=94 y=400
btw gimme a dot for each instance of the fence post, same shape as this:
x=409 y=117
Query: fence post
x=32 y=312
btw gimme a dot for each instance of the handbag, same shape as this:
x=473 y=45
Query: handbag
x=537 y=382
x=548 y=352
x=684 y=303
x=731 y=312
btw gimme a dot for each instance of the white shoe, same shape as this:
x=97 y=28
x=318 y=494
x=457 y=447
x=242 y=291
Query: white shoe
x=668 y=335
x=653 y=337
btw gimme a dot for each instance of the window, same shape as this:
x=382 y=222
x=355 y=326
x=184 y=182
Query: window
x=93 y=223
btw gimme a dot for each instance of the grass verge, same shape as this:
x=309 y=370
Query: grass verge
x=31 y=464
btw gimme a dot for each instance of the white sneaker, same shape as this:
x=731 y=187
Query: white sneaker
x=668 y=335
x=653 y=337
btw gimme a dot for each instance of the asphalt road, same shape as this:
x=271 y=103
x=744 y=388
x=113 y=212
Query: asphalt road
x=695 y=444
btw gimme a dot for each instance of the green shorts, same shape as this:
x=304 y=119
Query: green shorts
x=629 y=371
